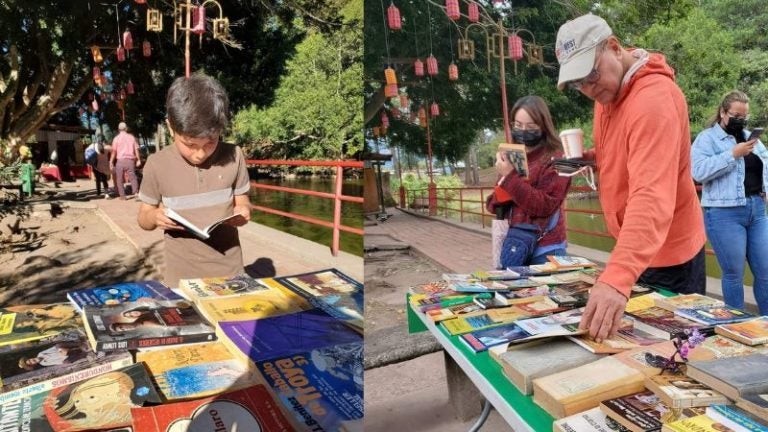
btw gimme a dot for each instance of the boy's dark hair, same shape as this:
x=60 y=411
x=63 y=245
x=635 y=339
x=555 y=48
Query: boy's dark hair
x=197 y=106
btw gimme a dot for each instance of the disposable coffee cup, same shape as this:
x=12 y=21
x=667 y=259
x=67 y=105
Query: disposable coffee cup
x=573 y=143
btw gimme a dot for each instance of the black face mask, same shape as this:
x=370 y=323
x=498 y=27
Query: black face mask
x=736 y=125
x=526 y=137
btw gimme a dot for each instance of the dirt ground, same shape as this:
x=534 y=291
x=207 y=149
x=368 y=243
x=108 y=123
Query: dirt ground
x=59 y=241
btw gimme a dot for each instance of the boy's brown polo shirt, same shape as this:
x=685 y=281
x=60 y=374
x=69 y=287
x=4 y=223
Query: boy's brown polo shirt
x=202 y=194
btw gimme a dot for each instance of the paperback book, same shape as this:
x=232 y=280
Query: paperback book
x=734 y=377
x=257 y=305
x=591 y=420
x=201 y=232
x=715 y=315
x=145 y=324
x=553 y=323
x=752 y=332
x=216 y=287
x=680 y=391
x=638 y=412
x=687 y=301
x=481 y=340
x=32 y=322
x=249 y=409
x=665 y=324
x=110 y=295
x=734 y=418
x=495 y=275
x=569 y=262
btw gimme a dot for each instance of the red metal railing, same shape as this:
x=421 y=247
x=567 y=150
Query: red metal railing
x=337 y=196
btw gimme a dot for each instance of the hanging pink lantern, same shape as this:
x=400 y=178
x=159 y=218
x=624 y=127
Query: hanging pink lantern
x=198 y=20
x=128 y=40
x=390 y=90
x=384 y=119
x=473 y=12
x=95 y=105
x=515 y=47
x=434 y=109
x=418 y=68
x=96 y=72
x=146 y=48
x=431 y=65
x=452 y=9
x=141 y=1
x=453 y=72
x=404 y=101
x=389 y=74
x=393 y=17
x=129 y=87
x=121 y=54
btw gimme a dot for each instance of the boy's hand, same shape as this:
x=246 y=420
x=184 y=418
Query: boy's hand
x=164 y=222
x=244 y=213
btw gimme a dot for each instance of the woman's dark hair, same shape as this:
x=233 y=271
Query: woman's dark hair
x=537 y=108
x=197 y=106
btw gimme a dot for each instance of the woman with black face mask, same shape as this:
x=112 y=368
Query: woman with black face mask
x=535 y=201
x=732 y=170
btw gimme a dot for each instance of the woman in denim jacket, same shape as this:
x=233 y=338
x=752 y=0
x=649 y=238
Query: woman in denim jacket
x=732 y=170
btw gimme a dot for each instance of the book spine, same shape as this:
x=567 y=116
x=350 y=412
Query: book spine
x=170 y=340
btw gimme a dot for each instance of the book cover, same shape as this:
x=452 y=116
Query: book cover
x=438 y=315
x=110 y=295
x=701 y=423
x=481 y=340
x=250 y=409
x=495 y=275
x=734 y=418
x=552 y=323
x=616 y=344
x=532 y=361
x=145 y=323
x=215 y=287
x=664 y=323
x=721 y=347
x=194 y=371
x=641 y=302
x=25 y=415
x=466 y=324
x=680 y=391
x=638 y=412
x=271 y=302
x=542 y=306
x=592 y=420
x=101 y=402
x=715 y=315
x=733 y=376
x=755 y=404
x=285 y=335
x=321 y=389
x=752 y=332
x=433 y=289
x=332 y=291
x=517 y=156
x=31 y=322
x=571 y=391
x=202 y=232
x=569 y=261
x=687 y=301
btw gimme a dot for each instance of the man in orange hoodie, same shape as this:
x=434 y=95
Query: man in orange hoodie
x=642 y=153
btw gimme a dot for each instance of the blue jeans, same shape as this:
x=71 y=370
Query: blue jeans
x=542 y=259
x=736 y=233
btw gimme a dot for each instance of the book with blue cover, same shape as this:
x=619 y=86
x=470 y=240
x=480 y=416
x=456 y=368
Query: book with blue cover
x=110 y=295
x=285 y=335
x=321 y=389
x=481 y=340
x=332 y=291
x=715 y=315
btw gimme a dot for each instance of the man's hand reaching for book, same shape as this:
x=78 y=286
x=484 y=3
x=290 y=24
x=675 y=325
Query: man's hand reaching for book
x=602 y=316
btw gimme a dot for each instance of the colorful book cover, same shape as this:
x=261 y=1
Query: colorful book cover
x=552 y=323
x=680 y=391
x=483 y=339
x=332 y=291
x=639 y=411
x=715 y=315
x=433 y=289
x=664 y=323
x=25 y=415
x=701 y=423
x=199 y=370
x=250 y=409
x=145 y=323
x=272 y=301
x=463 y=325
x=214 y=287
x=722 y=347
x=101 y=402
x=752 y=332
x=687 y=301
x=285 y=335
x=110 y=295
x=569 y=261
x=31 y=322
x=734 y=418
x=496 y=274
x=323 y=388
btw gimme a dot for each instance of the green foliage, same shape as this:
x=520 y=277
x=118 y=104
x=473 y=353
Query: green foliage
x=317 y=109
x=412 y=182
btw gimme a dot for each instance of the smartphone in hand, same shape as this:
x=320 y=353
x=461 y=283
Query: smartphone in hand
x=756 y=132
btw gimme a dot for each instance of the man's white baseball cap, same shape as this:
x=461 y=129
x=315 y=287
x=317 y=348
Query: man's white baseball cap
x=576 y=45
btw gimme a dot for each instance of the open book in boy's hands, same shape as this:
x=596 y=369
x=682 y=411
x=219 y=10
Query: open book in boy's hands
x=203 y=233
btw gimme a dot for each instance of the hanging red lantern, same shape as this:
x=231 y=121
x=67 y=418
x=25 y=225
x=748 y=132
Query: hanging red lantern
x=384 y=119
x=473 y=12
x=431 y=65
x=452 y=9
x=120 y=54
x=141 y=1
x=146 y=48
x=404 y=101
x=453 y=72
x=389 y=74
x=418 y=68
x=515 y=47
x=95 y=105
x=129 y=87
x=198 y=20
x=96 y=53
x=434 y=109
x=390 y=90
x=96 y=72
x=128 y=40
x=393 y=17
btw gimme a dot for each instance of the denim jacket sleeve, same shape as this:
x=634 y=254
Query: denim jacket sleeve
x=711 y=155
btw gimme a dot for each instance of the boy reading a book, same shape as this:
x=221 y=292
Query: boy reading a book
x=201 y=180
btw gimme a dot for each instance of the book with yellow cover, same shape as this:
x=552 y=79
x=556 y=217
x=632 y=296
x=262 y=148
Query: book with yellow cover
x=687 y=301
x=196 y=370
x=700 y=423
x=216 y=287
x=753 y=332
x=272 y=302
x=32 y=322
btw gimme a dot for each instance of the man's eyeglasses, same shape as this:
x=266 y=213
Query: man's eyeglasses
x=737 y=116
x=593 y=77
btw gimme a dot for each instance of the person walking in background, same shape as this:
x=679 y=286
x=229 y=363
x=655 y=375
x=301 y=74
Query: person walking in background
x=125 y=159
x=199 y=178
x=102 y=170
x=643 y=158
x=537 y=201
x=730 y=165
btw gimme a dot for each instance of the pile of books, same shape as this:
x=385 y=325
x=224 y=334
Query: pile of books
x=223 y=354
x=620 y=383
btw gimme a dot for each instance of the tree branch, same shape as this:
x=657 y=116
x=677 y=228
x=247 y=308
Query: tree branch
x=9 y=84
